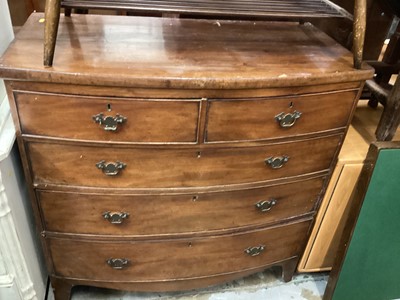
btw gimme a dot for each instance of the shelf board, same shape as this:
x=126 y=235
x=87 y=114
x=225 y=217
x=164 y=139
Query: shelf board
x=287 y=9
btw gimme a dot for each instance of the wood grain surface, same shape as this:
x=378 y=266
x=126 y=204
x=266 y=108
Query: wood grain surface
x=147 y=120
x=155 y=215
x=68 y=164
x=175 y=259
x=255 y=118
x=64 y=285
x=169 y=93
x=176 y=120
x=177 y=53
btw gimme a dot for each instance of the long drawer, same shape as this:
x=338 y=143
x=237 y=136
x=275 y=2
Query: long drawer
x=176 y=214
x=175 y=259
x=108 y=119
x=124 y=167
x=268 y=118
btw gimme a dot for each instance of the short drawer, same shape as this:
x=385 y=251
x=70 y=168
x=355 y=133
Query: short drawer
x=108 y=119
x=175 y=259
x=125 y=167
x=269 y=118
x=142 y=215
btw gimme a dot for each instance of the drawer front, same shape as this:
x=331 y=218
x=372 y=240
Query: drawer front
x=175 y=259
x=141 y=121
x=176 y=214
x=257 y=119
x=159 y=168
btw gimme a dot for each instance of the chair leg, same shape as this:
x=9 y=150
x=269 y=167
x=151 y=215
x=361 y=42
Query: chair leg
x=390 y=119
x=360 y=20
x=52 y=16
x=67 y=12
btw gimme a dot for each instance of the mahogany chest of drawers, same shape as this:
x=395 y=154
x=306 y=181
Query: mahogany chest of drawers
x=167 y=154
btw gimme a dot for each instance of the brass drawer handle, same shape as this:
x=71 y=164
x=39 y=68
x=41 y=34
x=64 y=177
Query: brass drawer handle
x=287 y=120
x=115 y=217
x=109 y=168
x=254 y=251
x=109 y=123
x=118 y=263
x=277 y=162
x=266 y=205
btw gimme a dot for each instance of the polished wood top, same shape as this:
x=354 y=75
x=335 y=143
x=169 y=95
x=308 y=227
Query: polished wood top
x=179 y=53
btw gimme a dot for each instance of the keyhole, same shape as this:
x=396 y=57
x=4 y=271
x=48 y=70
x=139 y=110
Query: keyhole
x=109 y=107
x=198 y=154
x=195 y=198
x=290 y=104
x=190 y=244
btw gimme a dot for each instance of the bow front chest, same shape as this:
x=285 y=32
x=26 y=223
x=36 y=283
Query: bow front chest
x=171 y=154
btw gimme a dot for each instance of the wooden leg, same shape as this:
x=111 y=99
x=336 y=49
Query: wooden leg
x=81 y=11
x=52 y=15
x=373 y=102
x=288 y=269
x=67 y=12
x=360 y=21
x=61 y=288
x=390 y=119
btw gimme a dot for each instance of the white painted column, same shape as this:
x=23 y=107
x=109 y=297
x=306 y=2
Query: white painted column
x=21 y=275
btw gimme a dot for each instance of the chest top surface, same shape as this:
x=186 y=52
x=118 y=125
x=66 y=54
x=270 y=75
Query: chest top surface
x=179 y=53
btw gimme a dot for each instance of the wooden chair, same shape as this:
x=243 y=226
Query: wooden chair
x=390 y=119
x=284 y=9
x=381 y=91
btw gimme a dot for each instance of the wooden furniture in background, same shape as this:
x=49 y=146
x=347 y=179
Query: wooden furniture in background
x=390 y=120
x=184 y=153
x=287 y=9
x=380 y=86
x=324 y=240
x=34 y=5
x=367 y=264
x=368 y=125
x=379 y=21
